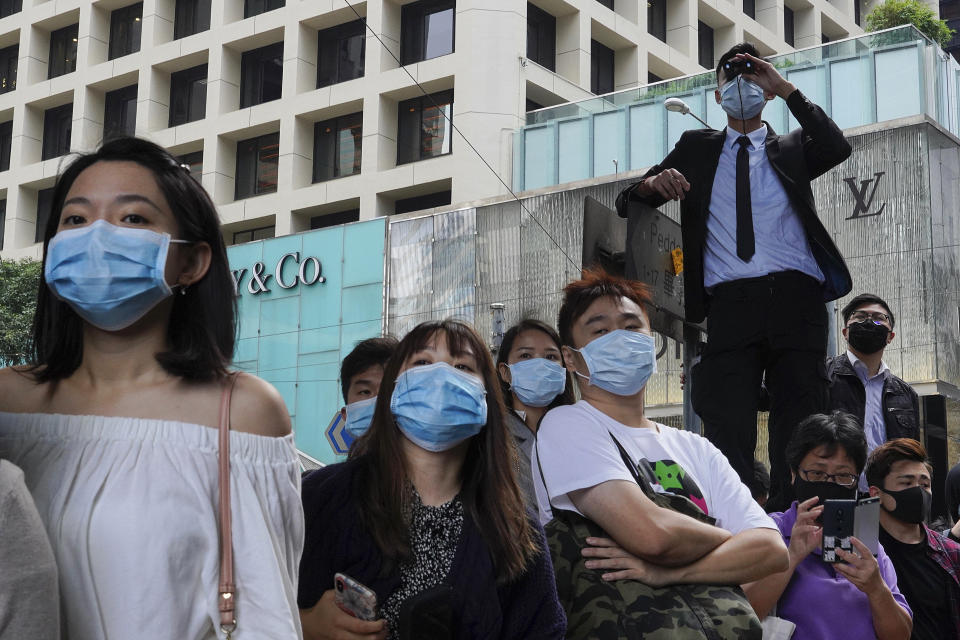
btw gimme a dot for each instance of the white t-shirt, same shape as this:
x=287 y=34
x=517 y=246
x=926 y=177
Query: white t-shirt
x=575 y=451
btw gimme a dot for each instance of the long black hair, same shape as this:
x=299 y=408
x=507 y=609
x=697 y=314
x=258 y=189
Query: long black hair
x=202 y=327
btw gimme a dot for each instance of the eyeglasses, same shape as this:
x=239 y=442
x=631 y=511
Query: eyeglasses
x=876 y=316
x=842 y=479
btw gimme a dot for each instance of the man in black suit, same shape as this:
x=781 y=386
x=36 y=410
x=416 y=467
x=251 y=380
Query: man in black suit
x=759 y=263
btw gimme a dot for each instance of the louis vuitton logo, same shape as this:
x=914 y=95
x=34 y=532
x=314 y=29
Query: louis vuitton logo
x=863 y=205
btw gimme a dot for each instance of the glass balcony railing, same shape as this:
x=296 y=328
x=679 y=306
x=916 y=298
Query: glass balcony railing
x=872 y=78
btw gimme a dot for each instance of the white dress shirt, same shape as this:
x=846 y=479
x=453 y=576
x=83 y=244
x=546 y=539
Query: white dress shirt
x=781 y=243
x=874 y=426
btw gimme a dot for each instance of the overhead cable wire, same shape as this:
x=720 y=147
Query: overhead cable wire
x=453 y=126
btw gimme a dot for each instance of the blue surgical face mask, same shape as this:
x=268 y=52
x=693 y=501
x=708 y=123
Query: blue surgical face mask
x=537 y=381
x=359 y=416
x=620 y=361
x=111 y=276
x=437 y=407
x=742 y=99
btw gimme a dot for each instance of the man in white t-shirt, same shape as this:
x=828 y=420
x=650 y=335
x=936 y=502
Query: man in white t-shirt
x=608 y=347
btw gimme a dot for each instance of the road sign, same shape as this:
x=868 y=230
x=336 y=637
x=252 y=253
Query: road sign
x=338 y=437
x=653 y=255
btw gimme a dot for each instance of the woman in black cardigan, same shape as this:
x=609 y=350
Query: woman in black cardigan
x=427 y=512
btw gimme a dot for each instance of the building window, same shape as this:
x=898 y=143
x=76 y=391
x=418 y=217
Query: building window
x=340 y=53
x=44 y=205
x=418 y=203
x=426 y=30
x=260 y=233
x=705 y=45
x=256 y=7
x=261 y=75
x=333 y=219
x=788 y=25
x=257 y=165
x=750 y=8
x=57 y=123
x=6 y=141
x=652 y=77
x=423 y=127
x=120 y=112
x=3 y=220
x=824 y=38
x=188 y=95
x=856 y=12
x=337 y=147
x=10 y=7
x=195 y=162
x=63 y=51
x=541 y=37
x=601 y=68
x=125 y=30
x=657 y=19
x=607 y=3
x=190 y=17
x=8 y=68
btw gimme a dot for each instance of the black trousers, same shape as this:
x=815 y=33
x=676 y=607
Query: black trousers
x=772 y=329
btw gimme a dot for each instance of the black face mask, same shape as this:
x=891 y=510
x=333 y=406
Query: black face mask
x=913 y=504
x=867 y=337
x=822 y=490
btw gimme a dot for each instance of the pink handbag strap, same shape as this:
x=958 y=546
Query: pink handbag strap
x=228 y=592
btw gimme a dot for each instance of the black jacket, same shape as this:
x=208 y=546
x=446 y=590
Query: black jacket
x=900 y=403
x=797 y=157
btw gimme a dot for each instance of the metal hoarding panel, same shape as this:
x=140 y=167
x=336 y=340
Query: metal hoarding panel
x=410 y=289
x=455 y=264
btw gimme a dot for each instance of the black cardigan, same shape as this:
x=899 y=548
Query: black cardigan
x=336 y=540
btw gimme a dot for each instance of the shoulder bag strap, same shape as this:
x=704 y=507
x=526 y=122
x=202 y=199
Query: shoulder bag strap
x=543 y=478
x=228 y=592
x=632 y=467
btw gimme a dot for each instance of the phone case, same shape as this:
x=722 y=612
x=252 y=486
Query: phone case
x=354 y=597
x=866 y=527
x=838 y=520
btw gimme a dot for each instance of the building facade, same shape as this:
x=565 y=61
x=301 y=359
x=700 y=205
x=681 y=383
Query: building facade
x=307 y=114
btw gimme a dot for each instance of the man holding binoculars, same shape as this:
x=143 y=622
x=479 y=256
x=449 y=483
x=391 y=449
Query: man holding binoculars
x=759 y=263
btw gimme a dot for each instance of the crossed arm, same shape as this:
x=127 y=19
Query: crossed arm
x=673 y=547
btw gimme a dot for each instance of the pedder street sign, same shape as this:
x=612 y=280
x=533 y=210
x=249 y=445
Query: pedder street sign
x=646 y=247
x=289 y=272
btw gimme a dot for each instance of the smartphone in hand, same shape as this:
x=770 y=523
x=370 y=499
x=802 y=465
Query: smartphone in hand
x=838 y=519
x=354 y=597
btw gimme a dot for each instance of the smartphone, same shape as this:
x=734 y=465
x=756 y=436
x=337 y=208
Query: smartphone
x=866 y=526
x=354 y=597
x=838 y=518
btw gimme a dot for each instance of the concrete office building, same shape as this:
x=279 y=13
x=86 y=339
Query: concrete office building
x=271 y=103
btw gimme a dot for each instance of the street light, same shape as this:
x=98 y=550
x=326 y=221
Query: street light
x=679 y=106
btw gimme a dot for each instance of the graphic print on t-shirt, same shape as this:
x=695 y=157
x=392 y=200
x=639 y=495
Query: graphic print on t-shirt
x=668 y=476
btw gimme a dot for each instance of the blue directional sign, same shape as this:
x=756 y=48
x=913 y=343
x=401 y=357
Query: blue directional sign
x=338 y=437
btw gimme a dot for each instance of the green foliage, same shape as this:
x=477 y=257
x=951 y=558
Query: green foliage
x=893 y=13
x=18 y=301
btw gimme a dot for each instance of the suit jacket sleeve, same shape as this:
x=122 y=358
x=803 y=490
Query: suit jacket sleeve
x=824 y=145
x=676 y=159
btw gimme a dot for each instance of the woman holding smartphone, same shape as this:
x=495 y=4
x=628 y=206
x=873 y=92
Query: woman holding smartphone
x=533 y=381
x=115 y=424
x=426 y=513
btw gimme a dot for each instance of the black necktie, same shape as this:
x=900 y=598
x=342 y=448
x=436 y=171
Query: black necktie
x=745 y=244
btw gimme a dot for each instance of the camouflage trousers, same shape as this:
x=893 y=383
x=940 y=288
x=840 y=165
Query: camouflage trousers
x=631 y=610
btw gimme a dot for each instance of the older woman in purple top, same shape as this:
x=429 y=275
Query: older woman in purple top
x=857 y=599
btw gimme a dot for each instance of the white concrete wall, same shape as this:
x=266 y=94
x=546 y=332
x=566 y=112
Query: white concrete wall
x=488 y=72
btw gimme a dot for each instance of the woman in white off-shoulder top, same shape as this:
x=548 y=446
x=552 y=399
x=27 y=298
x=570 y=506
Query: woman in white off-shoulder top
x=115 y=423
